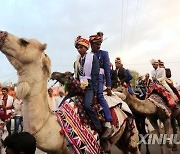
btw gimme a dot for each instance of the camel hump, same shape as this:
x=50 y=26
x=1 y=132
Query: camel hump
x=162 y=92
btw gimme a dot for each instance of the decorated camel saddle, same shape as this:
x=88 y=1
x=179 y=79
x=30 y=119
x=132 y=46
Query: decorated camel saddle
x=159 y=95
x=76 y=124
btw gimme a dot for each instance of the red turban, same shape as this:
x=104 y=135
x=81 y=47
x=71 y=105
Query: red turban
x=98 y=38
x=81 y=41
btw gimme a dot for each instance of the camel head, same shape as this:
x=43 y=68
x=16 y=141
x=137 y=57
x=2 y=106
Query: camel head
x=27 y=57
x=61 y=77
x=72 y=85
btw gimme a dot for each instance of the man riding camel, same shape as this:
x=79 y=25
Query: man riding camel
x=120 y=76
x=86 y=70
x=169 y=81
x=104 y=77
x=159 y=75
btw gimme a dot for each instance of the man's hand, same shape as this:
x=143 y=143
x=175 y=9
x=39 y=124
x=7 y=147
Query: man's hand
x=108 y=90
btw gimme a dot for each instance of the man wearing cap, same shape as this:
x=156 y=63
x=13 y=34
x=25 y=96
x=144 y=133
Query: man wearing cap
x=120 y=76
x=147 y=81
x=104 y=75
x=86 y=70
x=159 y=74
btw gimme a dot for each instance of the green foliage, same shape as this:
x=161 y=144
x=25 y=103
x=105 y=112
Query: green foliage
x=135 y=75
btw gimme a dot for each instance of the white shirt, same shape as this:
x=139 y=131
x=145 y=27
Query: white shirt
x=18 y=107
x=159 y=74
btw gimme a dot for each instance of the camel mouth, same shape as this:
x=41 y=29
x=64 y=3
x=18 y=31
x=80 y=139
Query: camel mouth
x=3 y=36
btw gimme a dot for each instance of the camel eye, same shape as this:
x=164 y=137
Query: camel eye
x=23 y=42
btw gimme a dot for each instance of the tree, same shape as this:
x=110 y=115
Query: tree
x=135 y=75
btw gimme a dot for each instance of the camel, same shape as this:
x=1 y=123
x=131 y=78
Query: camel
x=175 y=115
x=33 y=68
x=151 y=111
x=62 y=78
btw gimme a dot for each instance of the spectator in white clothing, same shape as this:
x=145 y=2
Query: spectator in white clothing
x=18 y=115
x=51 y=99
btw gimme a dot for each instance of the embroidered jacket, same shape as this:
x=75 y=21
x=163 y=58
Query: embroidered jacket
x=104 y=63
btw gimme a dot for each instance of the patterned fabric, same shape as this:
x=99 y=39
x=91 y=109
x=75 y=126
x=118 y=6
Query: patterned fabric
x=160 y=103
x=159 y=89
x=81 y=66
x=81 y=41
x=96 y=38
x=77 y=126
x=78 y=129
x=81 y=138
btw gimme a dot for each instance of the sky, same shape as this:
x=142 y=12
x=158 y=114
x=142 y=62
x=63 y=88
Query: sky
x=135 y=30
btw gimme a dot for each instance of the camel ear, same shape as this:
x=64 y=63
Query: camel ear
x=43 y=47
x=47 y=65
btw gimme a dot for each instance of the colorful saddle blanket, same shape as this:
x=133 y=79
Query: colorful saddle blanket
x=158 y=95
x=161 y=90
x=79 y=130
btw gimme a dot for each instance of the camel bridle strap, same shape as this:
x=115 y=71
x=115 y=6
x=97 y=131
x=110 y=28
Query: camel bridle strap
x=42 y=125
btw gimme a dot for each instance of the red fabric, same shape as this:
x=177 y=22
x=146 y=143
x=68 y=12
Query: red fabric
x=3 y=114
x=114 y=117
x=163 y=92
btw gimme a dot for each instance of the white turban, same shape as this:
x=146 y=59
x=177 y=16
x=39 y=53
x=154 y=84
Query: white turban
x=153 y=61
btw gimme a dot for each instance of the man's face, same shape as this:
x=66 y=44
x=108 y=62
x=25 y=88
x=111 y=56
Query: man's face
x=81 y=49
x=95 y=46
x=118 y=64
x=4 y=92
x=155 y=66
x=147 y=76
x=50 y=92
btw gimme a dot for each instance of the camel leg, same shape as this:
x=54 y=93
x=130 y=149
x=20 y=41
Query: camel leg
x=178 y=120
x=157 y=128
x=167 y=129
x=174 y=127
x=140 y=123
x=132 y=136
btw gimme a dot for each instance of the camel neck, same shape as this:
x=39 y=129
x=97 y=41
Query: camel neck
x=36 y=103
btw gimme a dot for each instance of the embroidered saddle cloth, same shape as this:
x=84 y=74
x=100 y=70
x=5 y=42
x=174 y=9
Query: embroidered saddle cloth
x=161 y=98
x=78 y=128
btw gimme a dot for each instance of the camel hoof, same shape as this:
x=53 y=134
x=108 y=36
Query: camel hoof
x=132 y=149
